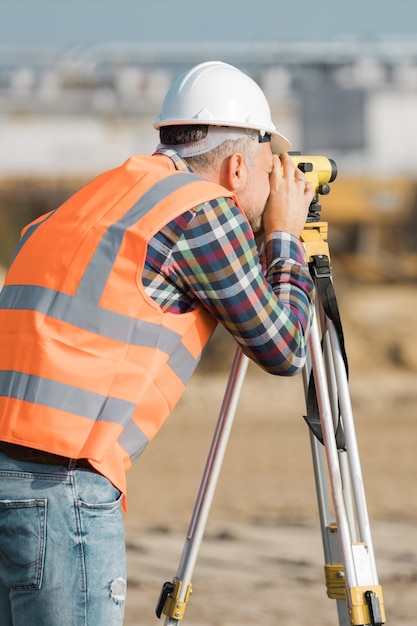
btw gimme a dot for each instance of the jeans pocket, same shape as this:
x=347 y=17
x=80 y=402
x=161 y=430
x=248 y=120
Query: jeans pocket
x=95 y=492
x=22 y=542
x=112 y=505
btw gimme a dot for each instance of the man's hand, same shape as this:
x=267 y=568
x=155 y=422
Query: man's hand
x=289 y=199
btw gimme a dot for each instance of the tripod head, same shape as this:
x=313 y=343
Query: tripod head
x=320 y=171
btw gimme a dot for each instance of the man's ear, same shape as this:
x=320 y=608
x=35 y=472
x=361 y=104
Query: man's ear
x=234 y=172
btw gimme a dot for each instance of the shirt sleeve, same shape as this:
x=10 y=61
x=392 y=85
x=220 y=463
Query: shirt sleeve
x=268 y=310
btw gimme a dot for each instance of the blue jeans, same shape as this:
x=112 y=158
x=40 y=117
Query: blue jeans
x=62 y=547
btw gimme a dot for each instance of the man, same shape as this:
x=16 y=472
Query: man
x=107 y=305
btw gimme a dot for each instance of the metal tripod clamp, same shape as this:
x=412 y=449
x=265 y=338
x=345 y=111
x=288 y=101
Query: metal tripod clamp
x=366 y=603
x=169 y=602
x=367 y=606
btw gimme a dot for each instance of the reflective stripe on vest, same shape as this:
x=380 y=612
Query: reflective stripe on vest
x=88 y=316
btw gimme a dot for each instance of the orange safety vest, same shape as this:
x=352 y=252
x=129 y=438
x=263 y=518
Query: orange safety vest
x=90 y=366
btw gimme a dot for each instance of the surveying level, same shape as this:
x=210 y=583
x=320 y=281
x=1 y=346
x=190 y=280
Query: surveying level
x=350 y=570
x=319 y=171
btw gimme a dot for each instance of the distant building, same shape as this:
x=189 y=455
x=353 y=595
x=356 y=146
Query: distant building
x=84 y=110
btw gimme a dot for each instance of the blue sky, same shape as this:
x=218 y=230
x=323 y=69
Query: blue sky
x=66 y=23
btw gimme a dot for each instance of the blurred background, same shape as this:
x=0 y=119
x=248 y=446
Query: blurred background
x=81 y=83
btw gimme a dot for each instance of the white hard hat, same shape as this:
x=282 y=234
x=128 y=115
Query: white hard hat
x=219 y=94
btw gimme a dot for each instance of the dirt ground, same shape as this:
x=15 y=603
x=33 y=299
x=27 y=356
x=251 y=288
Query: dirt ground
x=261 y=559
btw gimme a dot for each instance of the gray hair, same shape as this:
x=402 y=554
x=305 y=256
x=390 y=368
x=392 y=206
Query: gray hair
x=210 y=161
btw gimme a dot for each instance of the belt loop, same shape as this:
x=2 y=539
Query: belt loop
x=72 y=464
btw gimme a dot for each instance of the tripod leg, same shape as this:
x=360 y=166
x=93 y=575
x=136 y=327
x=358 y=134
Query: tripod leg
x=323 y=459
x=352 y=580
x=352 y=451
x=174 y=596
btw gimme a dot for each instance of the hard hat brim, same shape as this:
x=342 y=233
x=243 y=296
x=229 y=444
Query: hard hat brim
x=279 y=144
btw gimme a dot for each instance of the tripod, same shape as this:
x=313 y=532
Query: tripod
x=350 y=569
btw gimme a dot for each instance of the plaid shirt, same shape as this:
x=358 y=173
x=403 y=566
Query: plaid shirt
x=208 y=255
